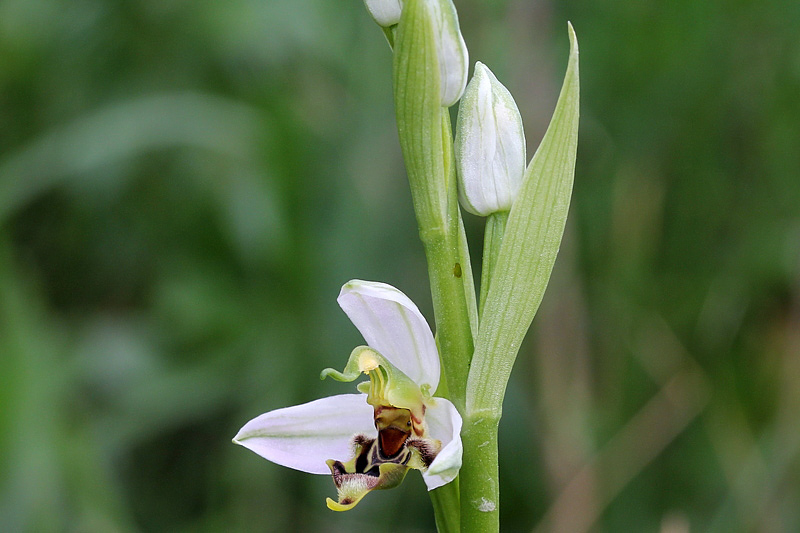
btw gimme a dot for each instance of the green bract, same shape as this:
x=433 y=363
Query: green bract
x=530 y=245
x=517 y=278
x=428 y=77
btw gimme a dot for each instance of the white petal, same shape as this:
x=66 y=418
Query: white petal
x=444 y=424
x=392 y=325
x=304 y=436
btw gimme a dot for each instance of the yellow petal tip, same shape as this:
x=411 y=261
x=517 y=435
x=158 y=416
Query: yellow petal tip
x=336 y=506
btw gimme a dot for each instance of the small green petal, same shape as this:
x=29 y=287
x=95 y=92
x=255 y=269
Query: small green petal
x=388 y=386
x=351 y=371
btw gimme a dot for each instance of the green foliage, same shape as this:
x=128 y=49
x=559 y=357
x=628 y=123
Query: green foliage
x=530 y=244
x=184 y=187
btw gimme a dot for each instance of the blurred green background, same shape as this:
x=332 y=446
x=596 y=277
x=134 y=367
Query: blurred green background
x=185 y=185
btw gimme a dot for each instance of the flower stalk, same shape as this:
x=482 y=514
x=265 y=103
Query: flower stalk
x=492 y=242
x=522 y=267
x=426 y=400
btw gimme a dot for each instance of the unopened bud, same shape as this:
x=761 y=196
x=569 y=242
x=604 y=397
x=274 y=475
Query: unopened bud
x=451 y=50
x=385 y=12
x=489 y=145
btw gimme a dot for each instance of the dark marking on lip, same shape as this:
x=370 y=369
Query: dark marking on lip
x=392 y=440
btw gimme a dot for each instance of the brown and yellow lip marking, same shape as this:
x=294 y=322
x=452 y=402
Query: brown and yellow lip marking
x=391 y=441
x=394 y=427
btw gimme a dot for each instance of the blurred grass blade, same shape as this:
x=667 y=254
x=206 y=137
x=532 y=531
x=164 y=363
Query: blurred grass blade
x=121 y=131
x=531 y=242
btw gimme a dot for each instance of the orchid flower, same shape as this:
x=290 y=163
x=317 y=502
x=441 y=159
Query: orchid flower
x=369 y=441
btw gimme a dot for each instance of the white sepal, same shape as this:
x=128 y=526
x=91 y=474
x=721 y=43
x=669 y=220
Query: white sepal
x=393 y=326
x=304 y=436
x=489 y=145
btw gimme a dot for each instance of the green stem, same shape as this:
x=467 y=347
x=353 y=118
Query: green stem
x=493 y=238
x=480 y=489
x=451 y=280
x=446 y=508
x=449 y=277
x=455 y=340
x=426 y=139
x=480 y=486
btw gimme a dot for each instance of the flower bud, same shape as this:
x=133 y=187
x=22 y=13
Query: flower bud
x=451 y=50
x=489 y=145
x=385 y=12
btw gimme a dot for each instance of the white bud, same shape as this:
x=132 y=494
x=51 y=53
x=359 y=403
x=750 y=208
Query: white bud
x=489 y=145
x=385 y=12
x=451 y=50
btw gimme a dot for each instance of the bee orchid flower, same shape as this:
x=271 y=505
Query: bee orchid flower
x=369 y=441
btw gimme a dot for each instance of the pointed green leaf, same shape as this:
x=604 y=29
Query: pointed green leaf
x=530 y=245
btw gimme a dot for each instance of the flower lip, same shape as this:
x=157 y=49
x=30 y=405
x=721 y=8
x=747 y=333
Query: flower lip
x=394 y=428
